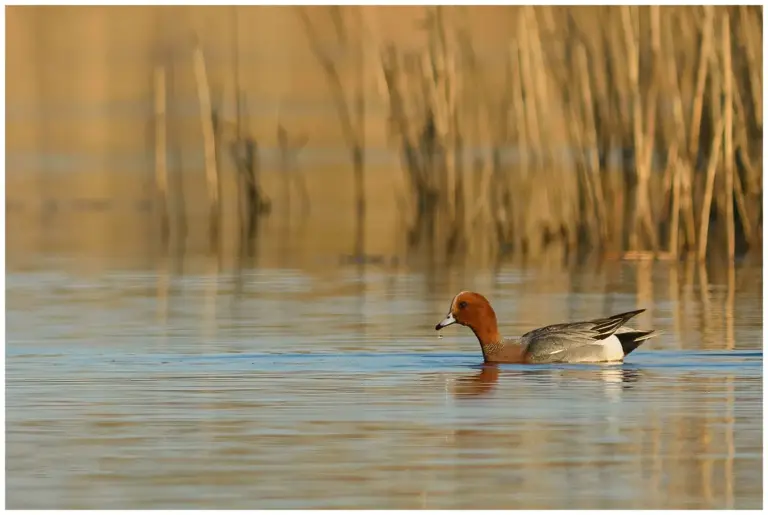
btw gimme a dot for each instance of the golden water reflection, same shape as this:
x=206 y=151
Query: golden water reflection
x=188 y=381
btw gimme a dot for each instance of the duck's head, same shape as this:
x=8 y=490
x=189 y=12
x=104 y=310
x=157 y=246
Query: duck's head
x=472 y=310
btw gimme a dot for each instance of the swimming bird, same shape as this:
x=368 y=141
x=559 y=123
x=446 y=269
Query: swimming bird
x=594 y=341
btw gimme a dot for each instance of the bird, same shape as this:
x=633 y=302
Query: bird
x=602 y=340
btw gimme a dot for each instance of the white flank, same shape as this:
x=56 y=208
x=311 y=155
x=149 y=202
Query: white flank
x=612 y=350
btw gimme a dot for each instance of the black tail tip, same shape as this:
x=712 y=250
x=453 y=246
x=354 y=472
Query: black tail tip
x=633 y=340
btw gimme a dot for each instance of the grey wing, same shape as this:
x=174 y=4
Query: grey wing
x=578 y=341
x=574 y=344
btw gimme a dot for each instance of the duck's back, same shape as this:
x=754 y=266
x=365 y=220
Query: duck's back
x=578 y=342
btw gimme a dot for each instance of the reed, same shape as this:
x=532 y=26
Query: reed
x=252 y=202
x=161 y=159
x=209 y=141
x=289 y=150
x=255 y=204
x=351 y=113
x=728 y=115
x=644 y=81
x=513 y=155
x=421 y=90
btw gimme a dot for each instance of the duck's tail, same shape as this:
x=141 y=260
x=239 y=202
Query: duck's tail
x=631 y=338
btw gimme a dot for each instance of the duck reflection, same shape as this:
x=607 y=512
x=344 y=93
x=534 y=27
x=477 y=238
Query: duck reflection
x=484 y=382
x=477 y=384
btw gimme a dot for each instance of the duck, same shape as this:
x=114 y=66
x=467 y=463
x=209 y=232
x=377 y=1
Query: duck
x=602 y=340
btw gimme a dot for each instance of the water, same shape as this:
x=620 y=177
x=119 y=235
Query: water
x=294 y=388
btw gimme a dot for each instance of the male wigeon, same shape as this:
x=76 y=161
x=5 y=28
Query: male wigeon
x=594 y=341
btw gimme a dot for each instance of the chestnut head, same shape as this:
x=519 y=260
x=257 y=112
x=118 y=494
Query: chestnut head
x=469 y=309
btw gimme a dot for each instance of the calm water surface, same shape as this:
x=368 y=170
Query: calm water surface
x=284 y=388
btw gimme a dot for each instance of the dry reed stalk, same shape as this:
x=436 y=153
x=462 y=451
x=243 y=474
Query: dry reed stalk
x=650 y=124
x=674 y=129
x=496 y=173
x=535 y=93
x=470 y=104
x=417 y=201
x=240 y=177
x=633 y=59
x=179 y=210
x=353 y=128
x=533 y=126
x=687 y=204
x=674 y=228
x=441 y=84
x=565 y=207
x=591 y=131
x=621 y=70
x=482 y=213
x=518 y=183
x=748 y=197
x=742 y=140
x=255 y=202
x=707 y=201
x=521 y=182
x=669 y=180
x=701 y=76
x=358 y=154
x=442 y=173
x=716 y=87
x=432 y=173
x=617 y=104
x=288 y=151
x=527 y=75
x=602 y=93
x=728 y=94
x=161 y=158
x=609 y=72
x=390 y=71
x=685 y=171
x=285 y=172
x=209 y=140
x=753 y=63
x=479 y=200
x=576 y=130
x=478 y=222
x=741 y=205
x=479 y=112
x=541 y=91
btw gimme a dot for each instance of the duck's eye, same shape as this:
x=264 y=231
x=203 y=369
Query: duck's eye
x=462 y=304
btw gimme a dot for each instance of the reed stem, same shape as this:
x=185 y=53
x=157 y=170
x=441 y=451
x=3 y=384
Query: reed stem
x=714 y=158
x=209 y=141
x=728 y=99
x=161 y=158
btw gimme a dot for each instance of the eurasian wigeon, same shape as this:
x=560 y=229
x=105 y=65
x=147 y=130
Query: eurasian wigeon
x=594 y=341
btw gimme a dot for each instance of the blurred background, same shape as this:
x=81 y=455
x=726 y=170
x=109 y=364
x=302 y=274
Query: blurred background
x=382 y=130
x=199 y=197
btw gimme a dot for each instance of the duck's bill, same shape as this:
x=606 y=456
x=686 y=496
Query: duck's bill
x=449 y=320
